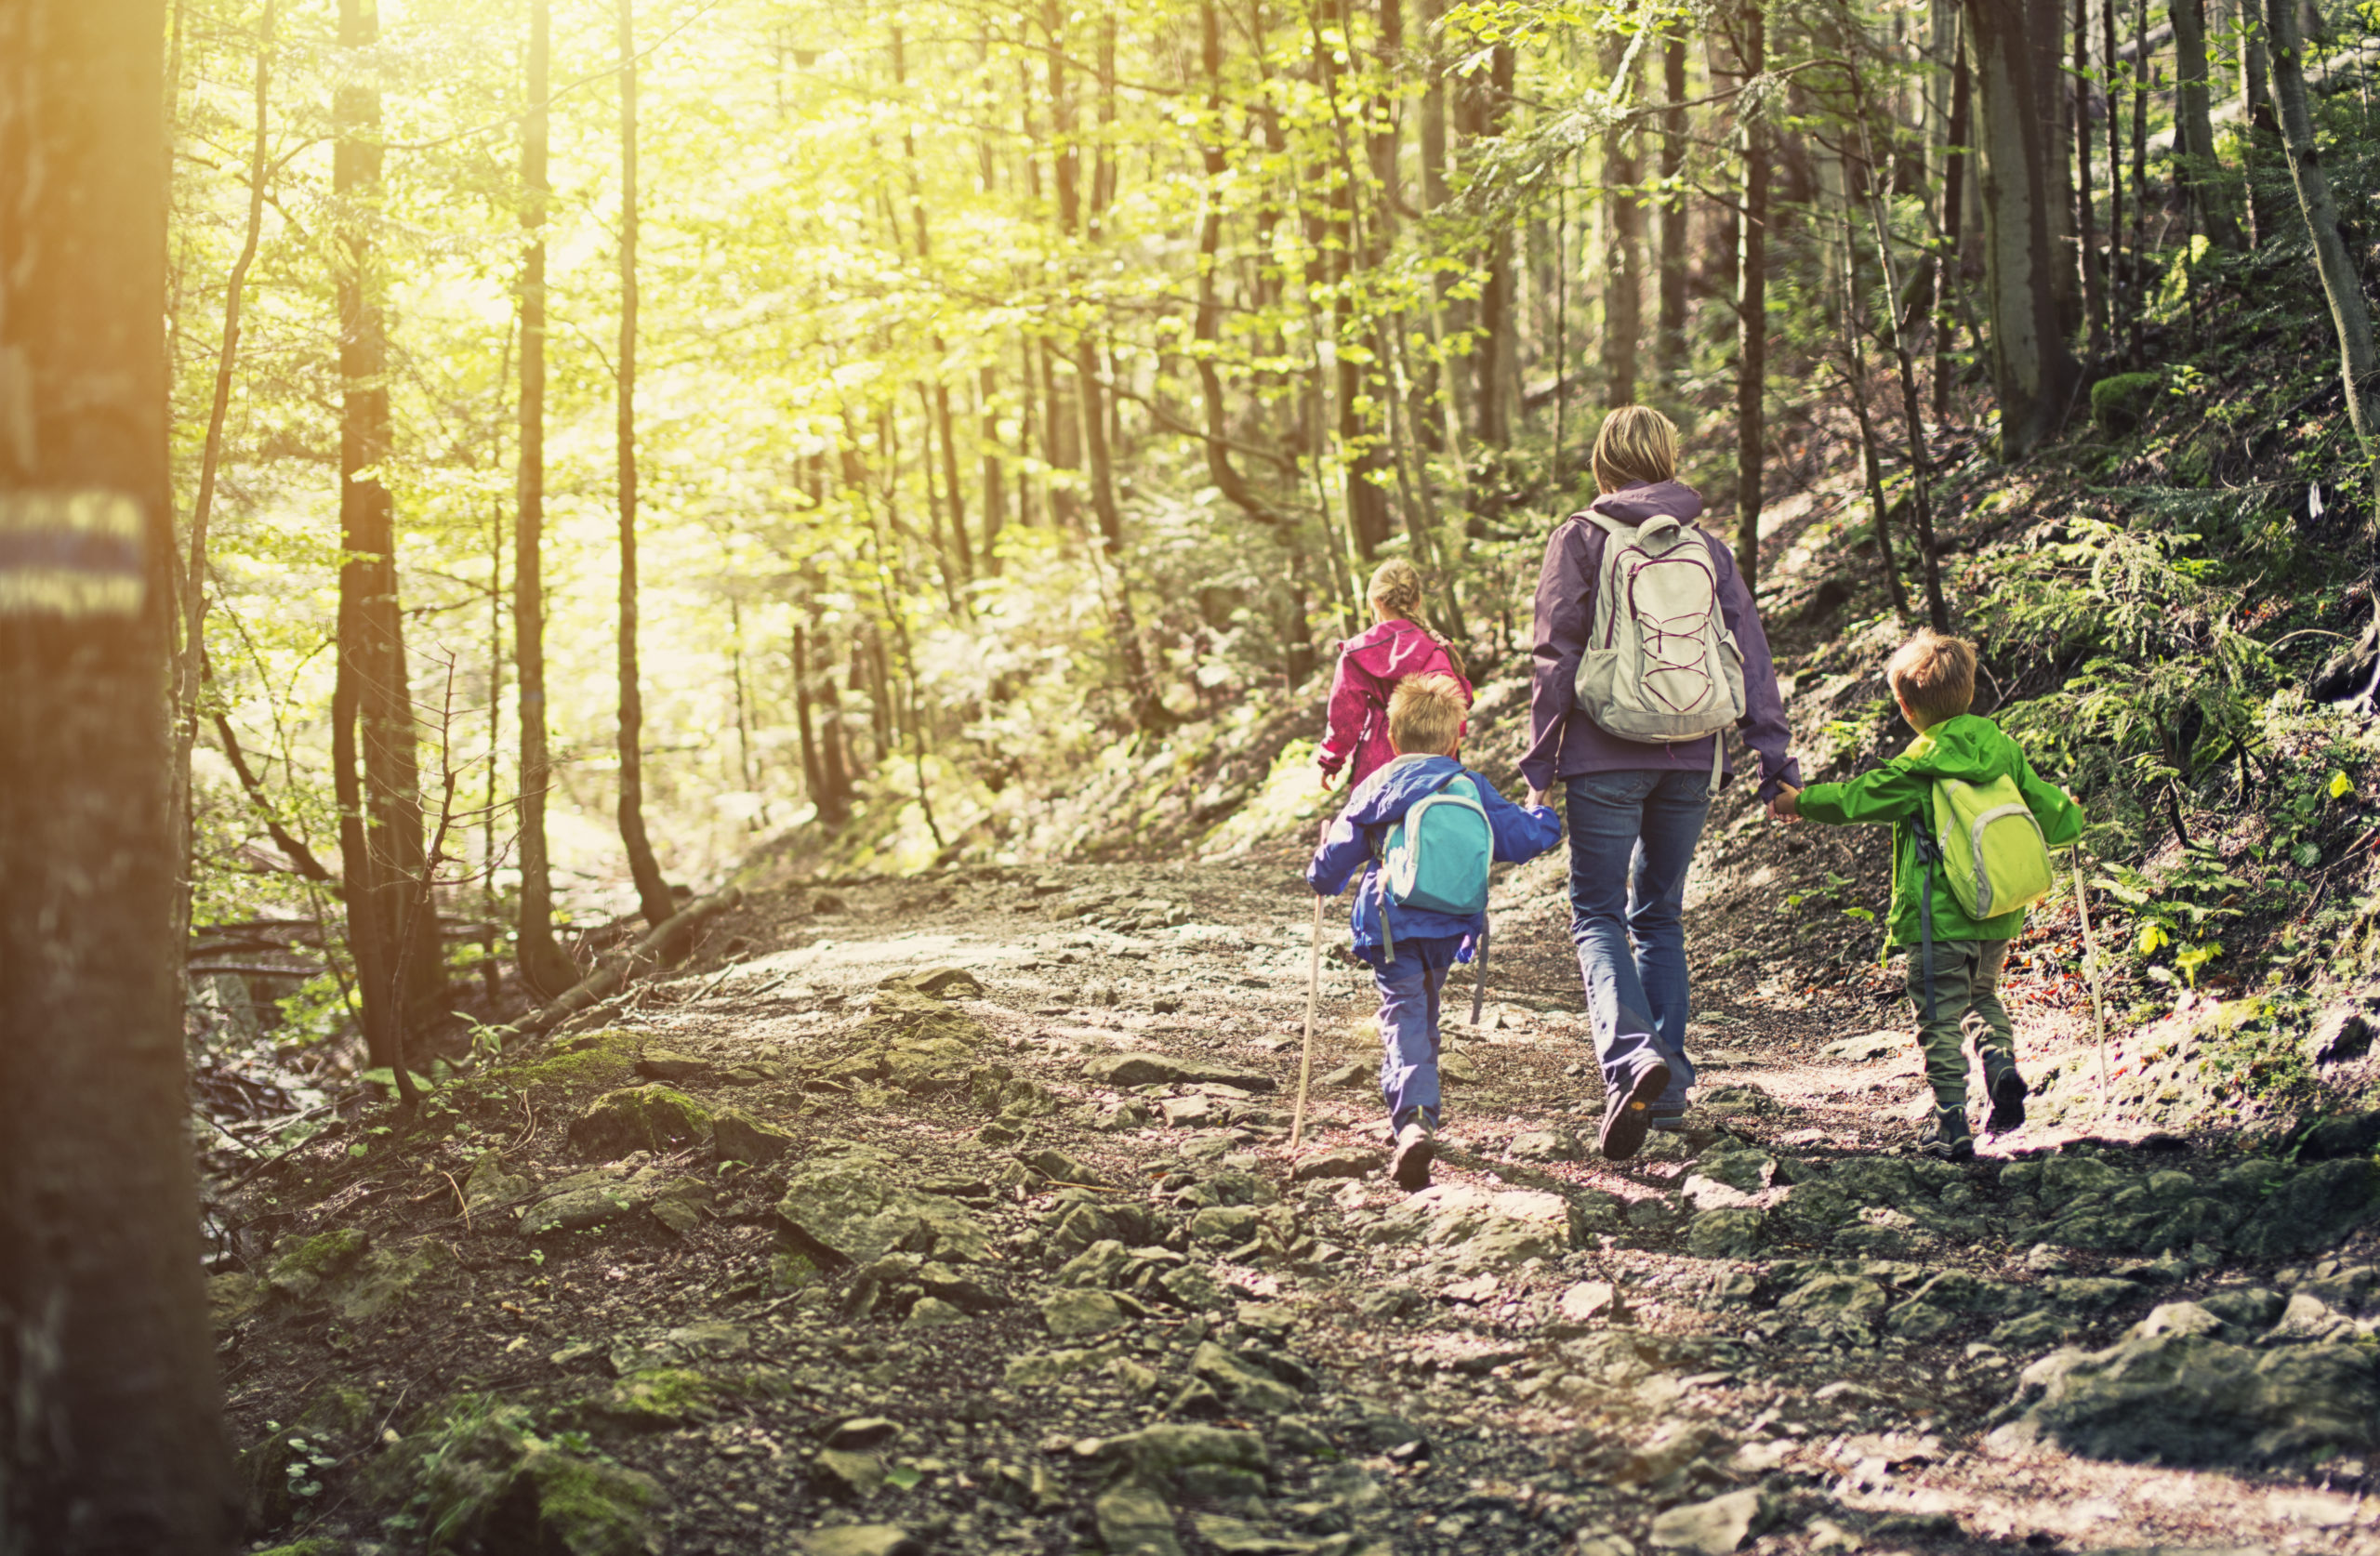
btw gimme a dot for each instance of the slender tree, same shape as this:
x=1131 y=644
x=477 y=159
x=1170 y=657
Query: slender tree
x=653 y=895
x=2342 y=286
x=2015 y=49
x=1751 y=298
x=543 y=966
x=1668 y=332
x=1623 y=304
x=2197 y=170
x=1957 y=159
x=115 y=1444
x=2264 y=129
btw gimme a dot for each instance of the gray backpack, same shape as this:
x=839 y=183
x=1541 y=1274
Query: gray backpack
x=1660 y=664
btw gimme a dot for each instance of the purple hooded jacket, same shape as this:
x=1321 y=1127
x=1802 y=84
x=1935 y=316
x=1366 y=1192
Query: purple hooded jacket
x=1563 y=741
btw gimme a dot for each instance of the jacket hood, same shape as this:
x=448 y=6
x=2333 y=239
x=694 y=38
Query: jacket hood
x=1971 y=749
x=1386 y=793
x=1660 y=499
x=1393 y=649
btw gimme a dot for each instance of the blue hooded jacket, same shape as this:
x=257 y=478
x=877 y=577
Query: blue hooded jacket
x=1379 y=803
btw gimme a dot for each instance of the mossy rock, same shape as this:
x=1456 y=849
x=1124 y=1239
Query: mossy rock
x=301 y=1266
x=656 y=1118
x=385 y=1279
x=738 y=1136
x=906 y=1016
x=477 y=1478
x=2121 y=403
x=587 y=1061
x=559 y=1505
x=655 y=1399
x=234 y=1295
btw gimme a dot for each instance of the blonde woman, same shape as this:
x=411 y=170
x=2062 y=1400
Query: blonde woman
x=1635 y=809
x=1370 y=664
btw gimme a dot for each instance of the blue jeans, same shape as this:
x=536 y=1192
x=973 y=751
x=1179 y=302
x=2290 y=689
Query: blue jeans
x=1632 y=838
x=1408 y=1025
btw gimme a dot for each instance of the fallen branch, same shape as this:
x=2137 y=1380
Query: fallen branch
x=616 y=971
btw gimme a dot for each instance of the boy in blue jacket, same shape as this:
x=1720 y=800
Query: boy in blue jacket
x=1411 y=951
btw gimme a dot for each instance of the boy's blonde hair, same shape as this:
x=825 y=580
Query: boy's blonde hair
x=1934 y=674
x=1637 y=446
x=1425 y=715
x=1396 y=589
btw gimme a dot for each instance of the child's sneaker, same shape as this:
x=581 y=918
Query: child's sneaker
x=1627 y=1115
x=1410 y=1163
x=2008 y=1091
x=1949 y=1139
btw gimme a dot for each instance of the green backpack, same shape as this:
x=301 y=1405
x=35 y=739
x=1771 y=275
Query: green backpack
x=1994 y=853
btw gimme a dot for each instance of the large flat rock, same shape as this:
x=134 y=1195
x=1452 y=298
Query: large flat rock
x=1144 y=1068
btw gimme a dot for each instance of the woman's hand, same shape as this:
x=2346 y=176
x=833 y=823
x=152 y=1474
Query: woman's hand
x=1536 y=799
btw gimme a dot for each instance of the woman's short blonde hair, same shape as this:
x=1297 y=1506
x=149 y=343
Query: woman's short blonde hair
x=1636 y=447
x=1396 y=589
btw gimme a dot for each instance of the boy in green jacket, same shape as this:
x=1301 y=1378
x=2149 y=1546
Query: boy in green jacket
x=1932 y=679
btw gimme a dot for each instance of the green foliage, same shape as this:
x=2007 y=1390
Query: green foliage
x=2121 y=403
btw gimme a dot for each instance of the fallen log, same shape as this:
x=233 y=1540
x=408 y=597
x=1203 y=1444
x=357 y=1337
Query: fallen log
x=613 y=972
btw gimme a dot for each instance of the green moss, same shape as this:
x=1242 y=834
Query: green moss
x=589 y=1061
x=302 y=1265
x=2120 y=403
x=585 y=1509
x=656 y=1399
x=284 y=1470
x=793 y=1271
x=654 y=1118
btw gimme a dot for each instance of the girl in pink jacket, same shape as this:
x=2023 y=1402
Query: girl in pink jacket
x=1370 y=664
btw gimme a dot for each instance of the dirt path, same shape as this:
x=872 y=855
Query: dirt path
x=1008 y=1288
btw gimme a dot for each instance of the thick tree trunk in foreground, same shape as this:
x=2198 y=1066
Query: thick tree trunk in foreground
x=652 y=892
x=2351 y=316
x=393 y=929
x=2194 y=129
x=2015 y=46
x=543 y=966
x=1751 y=309
x=115 y=1443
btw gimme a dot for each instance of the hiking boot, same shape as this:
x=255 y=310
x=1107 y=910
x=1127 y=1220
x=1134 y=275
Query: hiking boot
x=1949 y=1139
x=1410 y=1163
x=2008 y=1091
x=1628 y=1114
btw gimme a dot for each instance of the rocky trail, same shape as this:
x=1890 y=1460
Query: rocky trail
x=956 y=1214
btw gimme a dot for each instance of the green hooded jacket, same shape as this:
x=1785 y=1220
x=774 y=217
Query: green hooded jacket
x=1967 y=748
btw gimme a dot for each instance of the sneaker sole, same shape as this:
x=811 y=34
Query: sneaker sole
x=1624 y=1130
x=1410 y=1165
x=2008 y=1104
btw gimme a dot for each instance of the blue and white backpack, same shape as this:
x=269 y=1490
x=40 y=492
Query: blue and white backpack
x=1436 y=857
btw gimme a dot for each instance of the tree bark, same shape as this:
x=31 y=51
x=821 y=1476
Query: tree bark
x=1492 y=360
x=652 y=896
x=1950 y=267
x=543 y=966
x=2015 y=46
x=1623 y=297
x=2078 y=97
x=2199 y=172
x=995 y=488
x=115 y=1443
x=2342 y=287
x=401 y=969
x=1751 y=305
x=2264 y=129
x=1206 y=329
x=1669 y=331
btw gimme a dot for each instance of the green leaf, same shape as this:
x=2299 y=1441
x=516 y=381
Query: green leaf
x=904 y=1477
x=2152 y=936
x=2305 y=855
x=2341 y=786
x=359 y=1148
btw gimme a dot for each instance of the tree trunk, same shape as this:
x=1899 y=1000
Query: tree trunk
x=115 y=1443
x=1492 y=360
x=392 y=927
x=1668 y=332
x=193 y=594
x=1950 y=267
x=1623 y=297
x=652 y=896
x=2351 y=316
x=822 y=753
x=2198 y=170
x=2264 y=131
x=2078 y=97
x=543 y=966
x=1752 y=306
x=995 y=488
x=2015 y=46
x=1206 y=329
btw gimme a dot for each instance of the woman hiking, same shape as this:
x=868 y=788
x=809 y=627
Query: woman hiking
x=1370 y=664
x=1635 y=805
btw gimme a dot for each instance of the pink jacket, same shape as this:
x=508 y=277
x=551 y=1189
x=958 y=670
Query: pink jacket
x=1370 y=664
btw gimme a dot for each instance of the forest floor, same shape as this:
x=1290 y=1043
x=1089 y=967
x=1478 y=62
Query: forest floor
x=960 y=1210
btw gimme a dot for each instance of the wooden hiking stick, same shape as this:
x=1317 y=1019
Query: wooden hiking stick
x=1313 y=997
x=2091 y=976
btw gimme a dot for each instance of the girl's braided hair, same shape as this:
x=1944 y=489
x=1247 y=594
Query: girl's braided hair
x=1397 y=593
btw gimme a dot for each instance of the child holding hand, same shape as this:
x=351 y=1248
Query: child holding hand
x=1933 y=680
